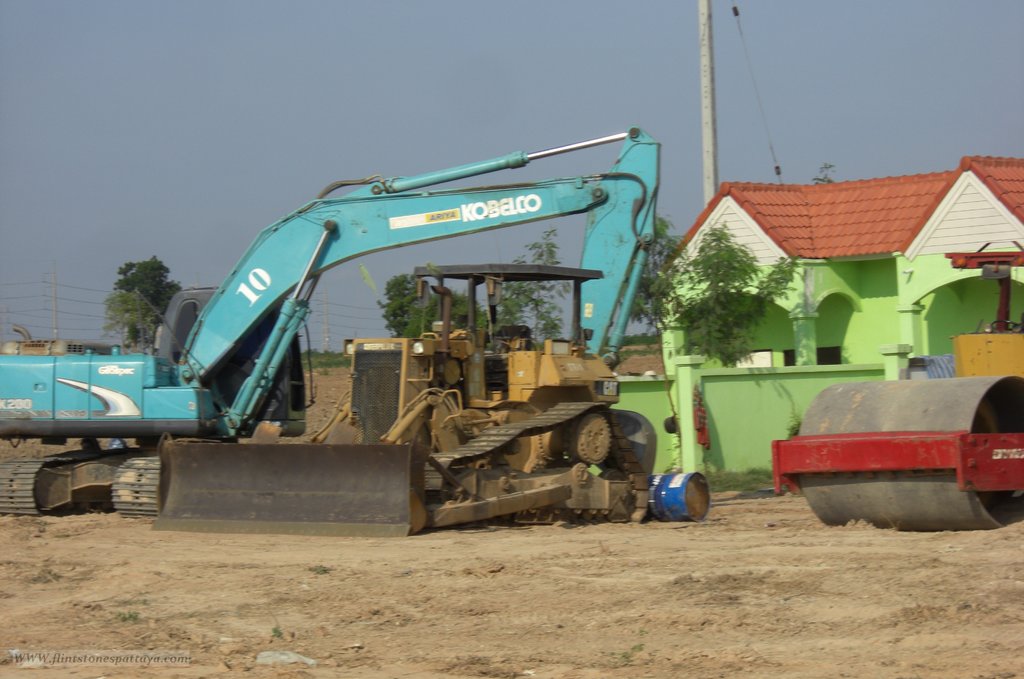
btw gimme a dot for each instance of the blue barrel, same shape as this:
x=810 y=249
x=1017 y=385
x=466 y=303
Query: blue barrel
x=679 y=497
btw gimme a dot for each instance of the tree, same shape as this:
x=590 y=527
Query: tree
x=522 y=303
x=135 y=307
x=533 y=304
x=647 y=307
x=719 y=294
x=403 y=314
x=406 y=316
x=825 y=174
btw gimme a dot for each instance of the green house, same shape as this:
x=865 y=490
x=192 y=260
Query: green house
x=874 y=290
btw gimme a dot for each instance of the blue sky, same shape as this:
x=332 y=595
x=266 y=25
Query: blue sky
x=133 y=128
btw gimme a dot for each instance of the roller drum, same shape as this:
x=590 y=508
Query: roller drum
x=974 y=404
x=910 y=500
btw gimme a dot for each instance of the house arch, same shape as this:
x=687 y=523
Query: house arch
x=844 y=293
x=960 y=306
x=836 y=312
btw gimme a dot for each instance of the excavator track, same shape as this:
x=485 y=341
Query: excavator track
x=17 y=486
x=20 y=491
x=135 y=488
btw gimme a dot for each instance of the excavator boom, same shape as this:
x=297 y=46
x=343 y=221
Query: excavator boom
x=277 y=274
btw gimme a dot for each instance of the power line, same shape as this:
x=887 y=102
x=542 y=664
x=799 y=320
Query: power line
x=77 y=287
x=59 y=285
x=80 y=301
x=757 y=92
x=72 y=329
x=22 y=283
x=350 y=306
x=316 y=313
x=80 y=315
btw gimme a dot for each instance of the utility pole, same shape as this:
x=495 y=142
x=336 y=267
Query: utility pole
x=53 y=298
x=709 y=137
x=327 y=325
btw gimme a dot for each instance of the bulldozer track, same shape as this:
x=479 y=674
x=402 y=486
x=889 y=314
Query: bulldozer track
x=628 y=462
x=17 y=486
x=135 y=488
x=496 y=437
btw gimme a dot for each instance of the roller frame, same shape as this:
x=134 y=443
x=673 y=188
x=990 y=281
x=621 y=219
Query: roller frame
x=981 y=462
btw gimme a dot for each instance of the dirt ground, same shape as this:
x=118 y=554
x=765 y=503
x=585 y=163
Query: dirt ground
x=759 y=589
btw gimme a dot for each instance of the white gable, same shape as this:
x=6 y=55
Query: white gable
x=968 y=217
x=743 y=229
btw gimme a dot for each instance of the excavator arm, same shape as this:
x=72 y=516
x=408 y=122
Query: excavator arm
x=271 y=285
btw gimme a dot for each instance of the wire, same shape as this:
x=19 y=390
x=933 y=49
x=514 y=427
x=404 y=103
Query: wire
x=757 y=93
x=350 y=306
x=76 y=287
x=75 y=313
x=59 y=285
x=35 y=313
x=81 y=301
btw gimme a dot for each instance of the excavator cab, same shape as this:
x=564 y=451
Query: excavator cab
x=285 y=402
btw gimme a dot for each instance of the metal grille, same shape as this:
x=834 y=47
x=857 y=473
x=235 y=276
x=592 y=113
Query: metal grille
x=376 y=385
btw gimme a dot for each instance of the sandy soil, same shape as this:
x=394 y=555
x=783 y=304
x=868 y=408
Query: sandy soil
x=761 y=588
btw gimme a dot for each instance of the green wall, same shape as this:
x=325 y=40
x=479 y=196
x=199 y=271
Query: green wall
x=648 y=396
x=748 y=409
x=879 y=311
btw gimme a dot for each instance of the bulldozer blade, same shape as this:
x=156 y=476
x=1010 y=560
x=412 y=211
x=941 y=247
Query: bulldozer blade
x=342 y=490
x=902 y=501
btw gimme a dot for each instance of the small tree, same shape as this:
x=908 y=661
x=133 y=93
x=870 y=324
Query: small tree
x=403 y=315
x=532 y=303
x=406 y=316
x=647 y=307
x=825 y=174
x=522 y=303
x=140 y=296
x=719 y=294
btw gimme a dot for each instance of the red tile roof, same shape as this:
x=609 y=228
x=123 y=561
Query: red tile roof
x=1003 y=176
x=864 y=217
